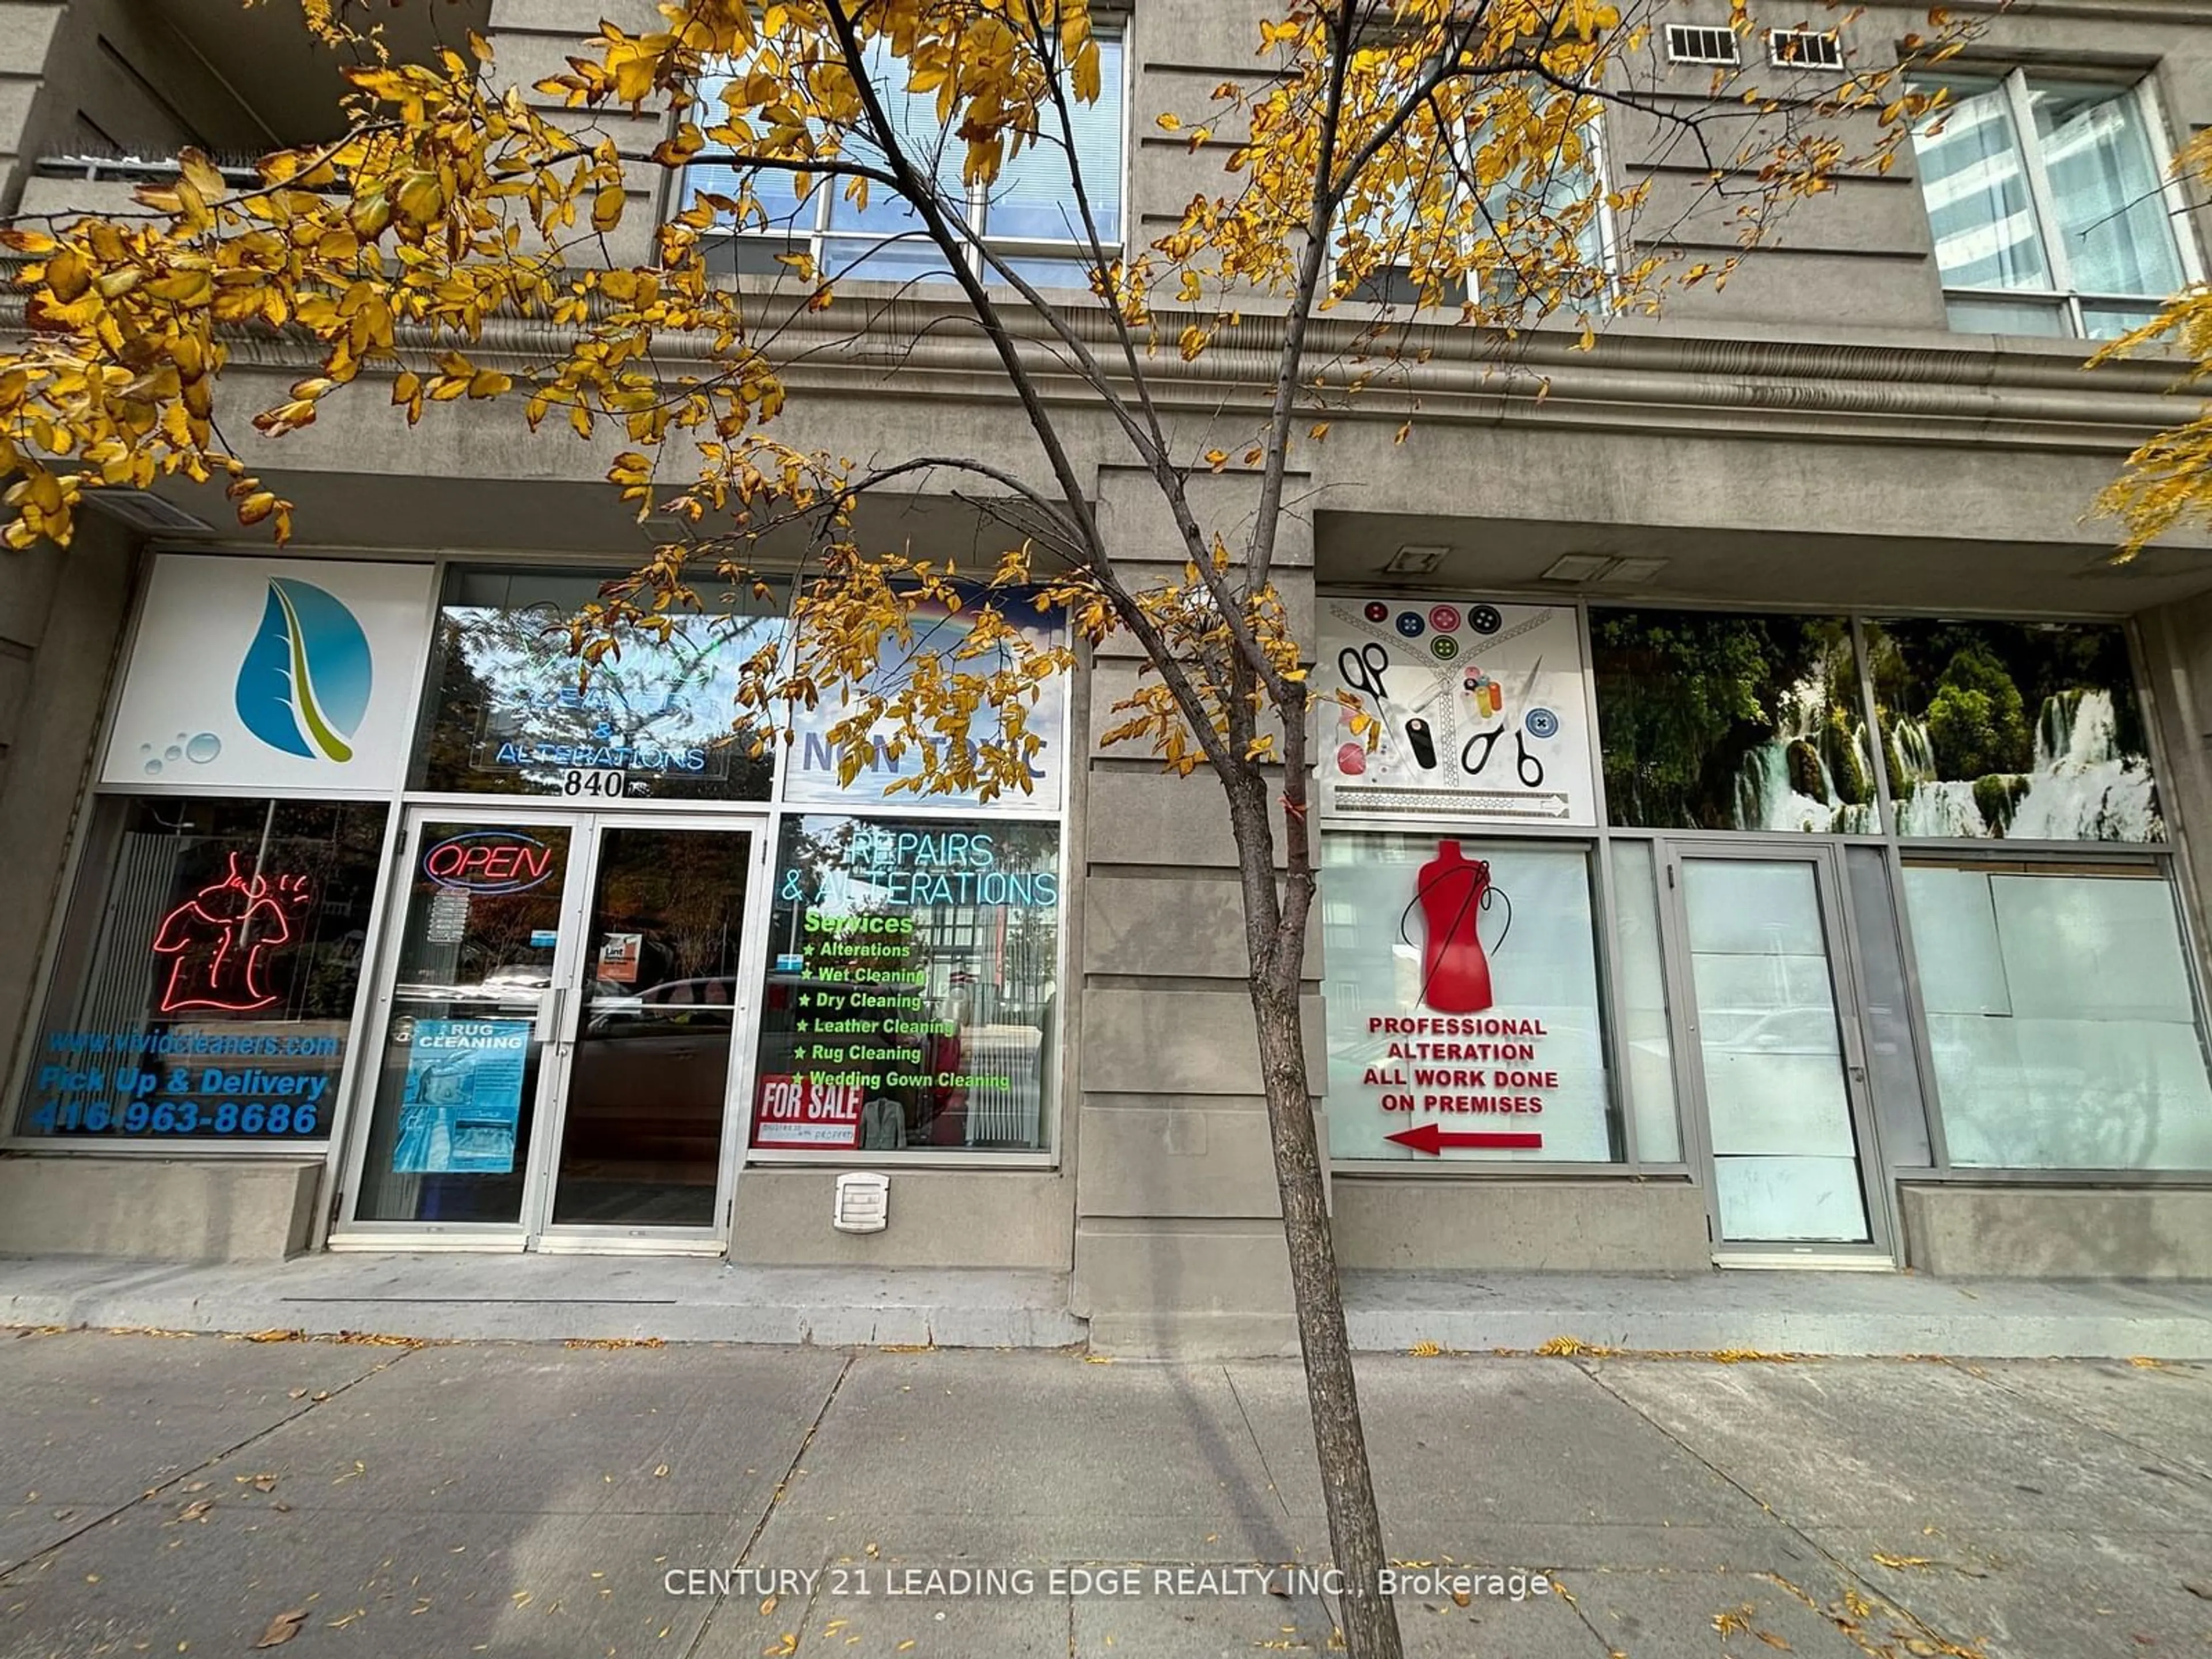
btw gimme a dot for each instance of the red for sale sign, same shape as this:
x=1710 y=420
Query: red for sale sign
x=798 y=1111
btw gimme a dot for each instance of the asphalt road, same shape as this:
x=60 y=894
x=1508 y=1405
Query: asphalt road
x=199 y=1495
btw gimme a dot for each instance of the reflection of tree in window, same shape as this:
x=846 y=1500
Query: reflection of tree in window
x=504 y=675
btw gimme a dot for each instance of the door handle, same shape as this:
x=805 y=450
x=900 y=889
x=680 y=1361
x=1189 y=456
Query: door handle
x=547 y=1026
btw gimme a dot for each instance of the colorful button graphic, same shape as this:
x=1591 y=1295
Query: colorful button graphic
x=1484 y=619
x=1443 y=618
x=1410 y=624
x=1542 y=723
x=1378 y=612
x=1444 y=647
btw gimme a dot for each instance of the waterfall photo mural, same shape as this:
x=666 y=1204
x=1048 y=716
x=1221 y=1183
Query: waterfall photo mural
x=1711 y=721
x=2014 y=731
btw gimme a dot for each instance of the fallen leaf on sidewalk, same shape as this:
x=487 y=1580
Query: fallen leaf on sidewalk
x=616 y=1342
x=195 y=1510
x=660 y=1471
x=1424 y=1349
x=296 y=1393
x=2146 y=1363
x=283 y=1628
x=259 y=1482
x=1902 y=1561
x=275 y=1335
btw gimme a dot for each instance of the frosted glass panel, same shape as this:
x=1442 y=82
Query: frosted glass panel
x=2060 y=1019
x=2091 y=949
x=1785 y=1153
x=1644 y=1004
x=1955 y=935
x=1900 y=1109
x=1791 y=1200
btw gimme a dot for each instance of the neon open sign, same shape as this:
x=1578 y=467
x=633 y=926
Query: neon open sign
x=488 y=862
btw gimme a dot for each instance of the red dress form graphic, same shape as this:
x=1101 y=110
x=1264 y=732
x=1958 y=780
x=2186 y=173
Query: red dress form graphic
x=1455 y=972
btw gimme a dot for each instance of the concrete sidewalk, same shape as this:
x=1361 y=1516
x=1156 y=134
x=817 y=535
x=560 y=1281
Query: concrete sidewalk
x=474 y=1296
x=195 y=1495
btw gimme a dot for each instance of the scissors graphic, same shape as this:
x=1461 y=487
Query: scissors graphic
x=1472 y=763
x=1524 y=763
x=1362 y=670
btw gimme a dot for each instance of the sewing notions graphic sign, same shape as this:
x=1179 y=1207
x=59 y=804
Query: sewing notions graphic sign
x=1481 y=708
x=272 y=673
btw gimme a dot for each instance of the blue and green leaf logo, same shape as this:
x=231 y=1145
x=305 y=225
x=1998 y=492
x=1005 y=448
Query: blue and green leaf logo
x=304 y=685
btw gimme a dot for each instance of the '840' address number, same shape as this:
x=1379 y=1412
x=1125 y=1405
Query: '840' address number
x=598 y=783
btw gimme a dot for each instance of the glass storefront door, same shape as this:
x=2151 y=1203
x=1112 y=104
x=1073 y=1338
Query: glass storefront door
x=1773 y=1038
x=649 y=1047
x=566 y=1004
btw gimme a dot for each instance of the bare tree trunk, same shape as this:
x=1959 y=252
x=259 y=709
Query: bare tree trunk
x=1355 y=1527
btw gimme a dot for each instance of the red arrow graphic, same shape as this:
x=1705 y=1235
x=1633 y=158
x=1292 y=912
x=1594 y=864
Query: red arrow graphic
x=1427 y=1138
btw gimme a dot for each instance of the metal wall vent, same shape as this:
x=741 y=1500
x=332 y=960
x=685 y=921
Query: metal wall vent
x=1700 y=43
x=1821 y=49
x=144 y=510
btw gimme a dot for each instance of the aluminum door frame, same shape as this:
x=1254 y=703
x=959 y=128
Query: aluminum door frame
x=1880 y=1249
x=713 y=1238
x=350 y=1230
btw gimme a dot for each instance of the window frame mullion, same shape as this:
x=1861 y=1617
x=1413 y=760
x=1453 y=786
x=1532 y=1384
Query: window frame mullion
x=2049 y=228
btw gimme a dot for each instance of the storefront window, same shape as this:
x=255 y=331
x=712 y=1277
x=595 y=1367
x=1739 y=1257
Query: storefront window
x=1715 y=721
x=207 y=976
x=509 y=717
x=2013 y=731
x=912 y=994
x=1462 y=986
x=2060 y=1016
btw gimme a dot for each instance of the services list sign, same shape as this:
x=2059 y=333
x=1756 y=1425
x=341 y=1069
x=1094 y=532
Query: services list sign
x=1482 y=709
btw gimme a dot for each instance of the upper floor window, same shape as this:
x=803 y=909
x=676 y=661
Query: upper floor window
x=1027 y=217
x=2047 y=200
x=1539 y=235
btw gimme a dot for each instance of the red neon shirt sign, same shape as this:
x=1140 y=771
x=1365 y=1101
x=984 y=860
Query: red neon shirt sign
x=220 y=939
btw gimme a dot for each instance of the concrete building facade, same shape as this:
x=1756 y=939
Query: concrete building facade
x=1784 y=847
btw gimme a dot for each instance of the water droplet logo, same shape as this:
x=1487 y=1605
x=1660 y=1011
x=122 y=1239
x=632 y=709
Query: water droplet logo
x=304 y=685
